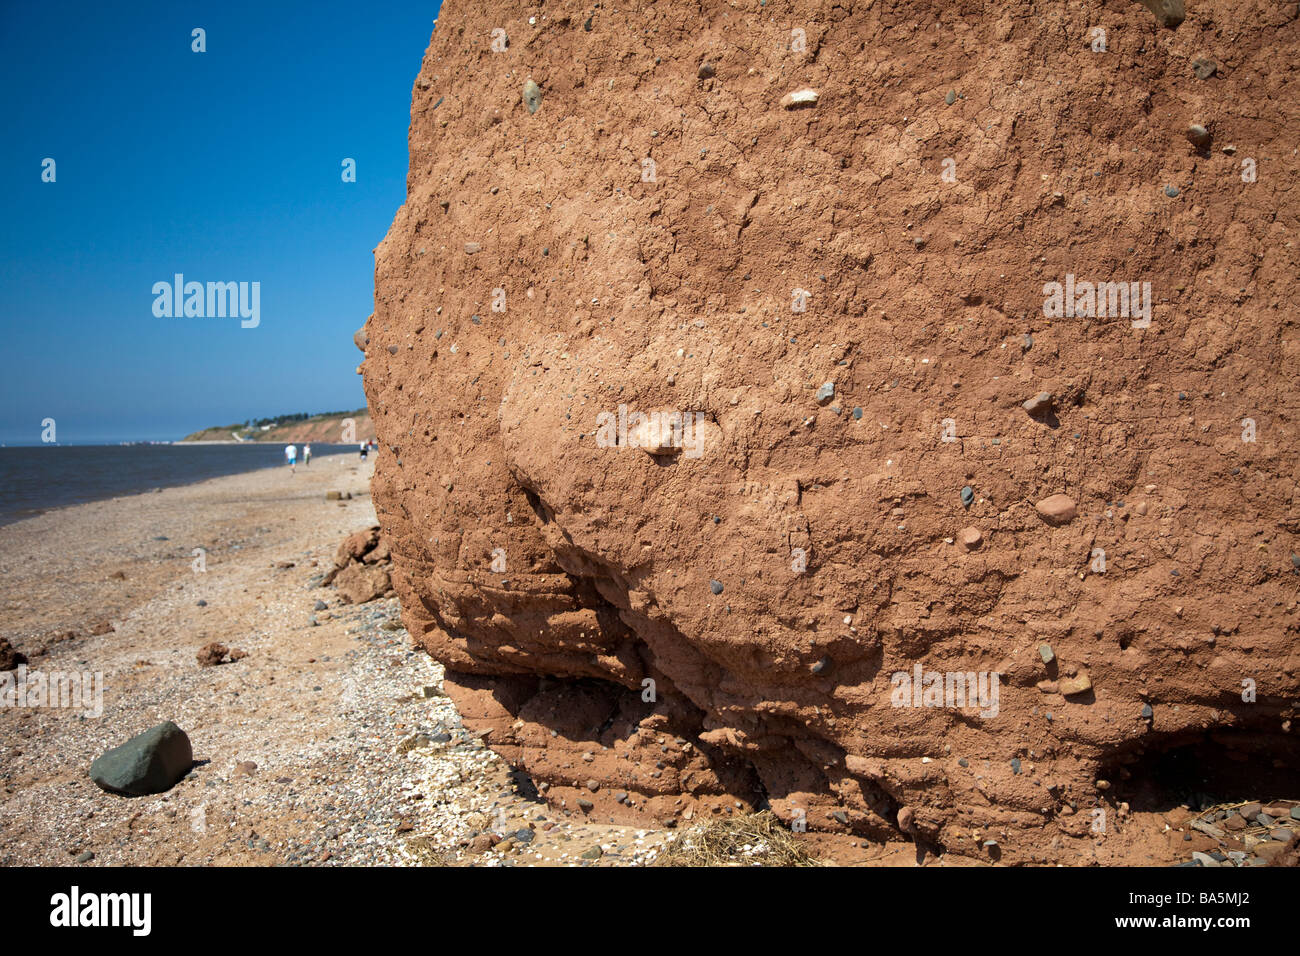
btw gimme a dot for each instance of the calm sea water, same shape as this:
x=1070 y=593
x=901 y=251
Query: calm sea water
x=36 y=478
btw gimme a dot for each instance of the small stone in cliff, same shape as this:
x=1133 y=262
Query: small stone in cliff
x=825 y=393
x=706 y=71
x=1198 y=136
x=658 y=435
x=1046 y=653
x=1040 y=404
x=532 y=96
x=1168 y=13
x=151 y=762
x=1057 y=509
x=1203 y=68
x=967 y=496
x=799 y=98
x=1079 y=684
x=715 y=587
x=970 y=538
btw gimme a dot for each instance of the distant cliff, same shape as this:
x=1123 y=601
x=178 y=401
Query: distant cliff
x=328 y=428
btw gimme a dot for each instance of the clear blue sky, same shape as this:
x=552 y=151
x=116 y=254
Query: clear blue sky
x=224 y=166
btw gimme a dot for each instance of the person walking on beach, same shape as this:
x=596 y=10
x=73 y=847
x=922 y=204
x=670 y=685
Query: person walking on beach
x=364 y=446
x=306 y=454
x=291 y=454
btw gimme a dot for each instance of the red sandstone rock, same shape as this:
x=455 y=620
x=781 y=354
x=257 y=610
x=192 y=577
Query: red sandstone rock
x=678 y=618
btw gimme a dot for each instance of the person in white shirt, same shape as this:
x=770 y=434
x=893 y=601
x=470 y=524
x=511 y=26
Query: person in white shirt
x=306 y=454
x=291 y=454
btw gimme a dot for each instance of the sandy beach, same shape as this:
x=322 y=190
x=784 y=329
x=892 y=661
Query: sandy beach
x=330 y=743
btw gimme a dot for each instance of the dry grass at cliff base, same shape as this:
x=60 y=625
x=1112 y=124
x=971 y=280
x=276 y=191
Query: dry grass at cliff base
x=752 y=839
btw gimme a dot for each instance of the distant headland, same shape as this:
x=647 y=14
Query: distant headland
x=326 y=427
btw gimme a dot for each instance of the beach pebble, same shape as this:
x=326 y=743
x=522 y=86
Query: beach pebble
x=1046 y=653
x=715 y=587
x=825 y=393
x=967 y=496
x=150 y=762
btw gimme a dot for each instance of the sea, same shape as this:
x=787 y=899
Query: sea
x=35 y=478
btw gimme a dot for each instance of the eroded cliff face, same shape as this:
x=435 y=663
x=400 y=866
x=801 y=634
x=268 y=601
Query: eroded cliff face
x=666 y=223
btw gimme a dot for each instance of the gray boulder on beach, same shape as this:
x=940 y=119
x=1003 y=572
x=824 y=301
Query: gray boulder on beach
x=150 y=762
